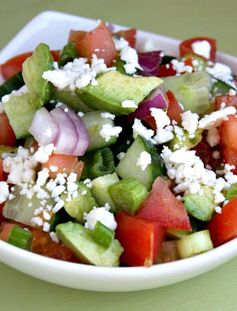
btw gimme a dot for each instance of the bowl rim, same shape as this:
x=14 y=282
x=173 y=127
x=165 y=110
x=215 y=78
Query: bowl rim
x=104 y=278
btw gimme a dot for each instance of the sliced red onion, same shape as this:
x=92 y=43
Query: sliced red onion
x=43 y=127
x=83 y=137
x=67 y=138
x=156 y=100
x=150 y=62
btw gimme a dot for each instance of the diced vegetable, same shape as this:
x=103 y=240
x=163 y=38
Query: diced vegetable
x=174 y=110
x=150 y=62
x=102 y=234
x=231 y=193
x=14 y=83
x=20 y=237
x=168 y=252
x=129 y=35
x=67 y=54
x=228 y=100
x=7 y=135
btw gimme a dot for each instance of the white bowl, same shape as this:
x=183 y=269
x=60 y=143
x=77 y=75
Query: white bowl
x=52 y=28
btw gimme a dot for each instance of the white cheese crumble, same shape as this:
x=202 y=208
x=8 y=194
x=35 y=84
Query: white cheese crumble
x=108 y=131
x=213 y=137
x=22 y=91
x=202 y=48
x=107 y=115
x=190 y=122
x=129 y=103
x=76 y=74
x=215 y=118
x=180 y=67
x=221 y=72
x=54 y=237
x=101 y=214
x=4 y=191
x=143 y=160
x=163 y=136
x=160 y=117
x=43 y=153
x=141 y=130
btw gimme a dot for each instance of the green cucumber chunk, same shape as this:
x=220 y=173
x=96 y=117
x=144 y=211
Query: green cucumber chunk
x=102 y=234
x=20 y=111
x=83 y=203
x=220 y=88
x=201 y=205
x=128 y=194
x=113 y=88
x=100 y=189
x=231 y=193
x=20 y=237
x=192 y=90
x=12 y=84
x=33 y=69
x=128 y=167
x=80 y=240
x=94 y=123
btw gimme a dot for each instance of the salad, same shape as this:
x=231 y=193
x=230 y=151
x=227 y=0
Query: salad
x=114 y=156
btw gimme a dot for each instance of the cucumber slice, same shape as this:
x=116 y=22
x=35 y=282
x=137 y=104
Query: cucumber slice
x=128 y=167
x=83 y=203
x=80 y=240
x=12 y=84
x=194 y=244
x=191 y=90
x=113 y=88
x=94 y=122
x=100 y=191
x=20 y=111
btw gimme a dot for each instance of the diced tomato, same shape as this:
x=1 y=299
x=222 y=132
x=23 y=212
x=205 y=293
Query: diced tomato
x=223 y=227
x=230 y=157
x=7 y=135
x=228 y=130
x=14 y=65
x=204 y=151
x=167 y=70
x=161 y=205
x=129 y=35
x=150 y=121
x=185 y=47
x=98 y=41
x=174 y=110
x=229 y=100
x=64 y=164
x=42 y=244
x=1 y=170
x=141 y=239
x=5 y=230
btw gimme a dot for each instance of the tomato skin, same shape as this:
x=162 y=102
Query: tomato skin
x=14 y=64
x=65 y=164
x=185 y=47
x=223 y=227
x=229 y=100
x=98 y=41
x=161 y=205
x=228 y=130
x=129 y=35
x=174 y=110
x=141 y=239
x=7 y=135
x=167 y=71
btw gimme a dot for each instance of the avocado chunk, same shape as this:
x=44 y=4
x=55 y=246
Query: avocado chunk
x=80 y=240
x=192 y=90
x=113 y=88
x=20 y=111
x=201 y=205
x=33 y=69
x=82 y=203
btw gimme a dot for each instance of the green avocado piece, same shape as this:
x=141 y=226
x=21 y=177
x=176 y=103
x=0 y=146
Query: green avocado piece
x=33 y=69
x=201 y=205
x=113 y=88
x=80 y=241
x=20 y=111
x=83 y=203
x=192 y=90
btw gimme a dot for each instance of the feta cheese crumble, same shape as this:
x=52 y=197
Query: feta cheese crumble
x=160 y=117
x=215 y=118
x=190 y=122
x=143 y=160
x=108 y=131
x=141 y=130
x=202 y=48
x=128 y=103
x=101 y=214
x=4 y=191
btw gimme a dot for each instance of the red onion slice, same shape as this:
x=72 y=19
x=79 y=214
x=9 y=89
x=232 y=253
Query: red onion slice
x=67 y=138
x=43 y=127
x=156 y=100
x=83 y=137
x=150 y=62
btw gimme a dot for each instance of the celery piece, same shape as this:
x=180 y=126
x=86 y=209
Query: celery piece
x=102 y=234
x=195 y=243
x=128 y=194
x=20 y=237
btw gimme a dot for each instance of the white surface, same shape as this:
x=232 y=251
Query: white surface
x=52 y=28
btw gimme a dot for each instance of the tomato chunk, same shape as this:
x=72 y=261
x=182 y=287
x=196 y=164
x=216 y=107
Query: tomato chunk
x=141 y=239
x=5 y=230
x=174 y=109
x=63 y=164
x=161 y=205
x=223 y=227
x=14 y=64
x=228 y=100
x=129 y=35
x=228 y=130
x=98 y=41
x=7 y=135
x=185 y=47
x=167 y=71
